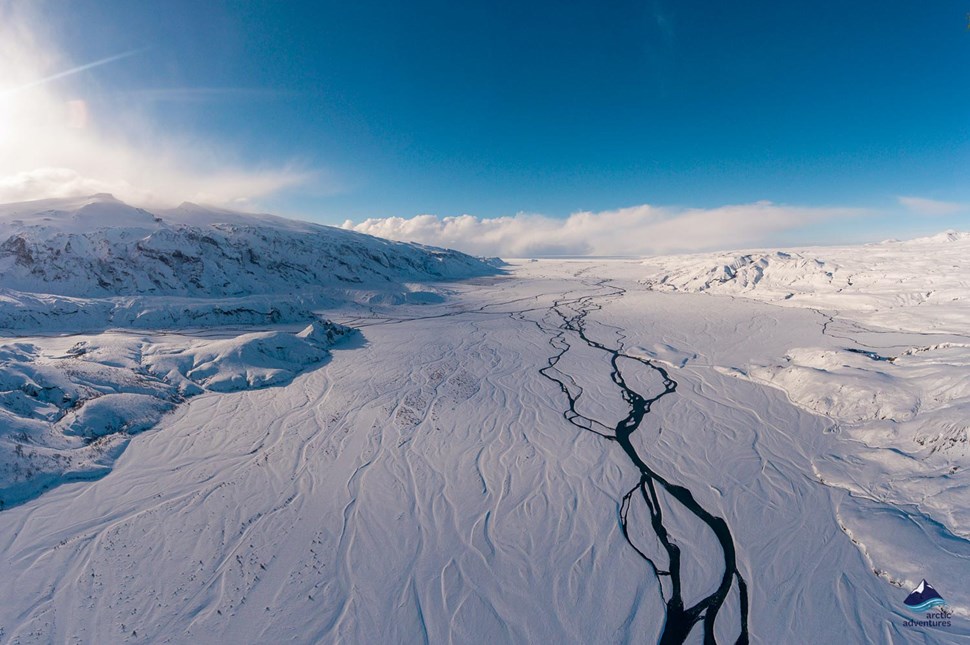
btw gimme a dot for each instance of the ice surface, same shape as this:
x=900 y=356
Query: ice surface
x=889 y=372
x=62 y=399
x=425 y=484
x=663 y=353
x=118 y=275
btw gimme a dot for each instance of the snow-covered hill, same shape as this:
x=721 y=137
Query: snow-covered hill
x=887 y=281
x=93 y=264
x=99 y=246
x=889 y=373
x=733 y=272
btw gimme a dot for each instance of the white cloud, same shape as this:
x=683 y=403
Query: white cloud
x=932 y=207
x=58 y=138
x=639 y=230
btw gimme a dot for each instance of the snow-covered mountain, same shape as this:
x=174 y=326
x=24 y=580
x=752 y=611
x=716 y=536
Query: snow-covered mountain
x=86 y=266
x=99 y=246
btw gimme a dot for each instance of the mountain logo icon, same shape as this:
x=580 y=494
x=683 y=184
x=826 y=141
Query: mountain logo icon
x=924 y=597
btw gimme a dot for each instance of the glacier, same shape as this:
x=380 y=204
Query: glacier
x=431 y=450
x=121 y=314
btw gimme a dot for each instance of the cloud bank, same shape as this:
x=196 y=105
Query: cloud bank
x=932 y=207
x=61 y=138
x=639 y=230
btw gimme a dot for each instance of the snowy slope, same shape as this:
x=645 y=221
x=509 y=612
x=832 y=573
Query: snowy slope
x=69 y=405
x=890 y=375
x=428 y=486
x=101 y=247
x=780 y=271
x=917 y=285
x=89 y=265
x=462 y=471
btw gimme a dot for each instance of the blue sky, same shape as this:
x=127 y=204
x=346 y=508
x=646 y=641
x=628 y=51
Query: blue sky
x=379 y=109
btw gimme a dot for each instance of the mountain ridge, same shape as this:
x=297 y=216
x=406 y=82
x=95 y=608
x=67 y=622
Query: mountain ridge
x=99 y=246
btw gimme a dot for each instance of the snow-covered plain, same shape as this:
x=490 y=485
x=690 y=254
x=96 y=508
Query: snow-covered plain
x=463 y=471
